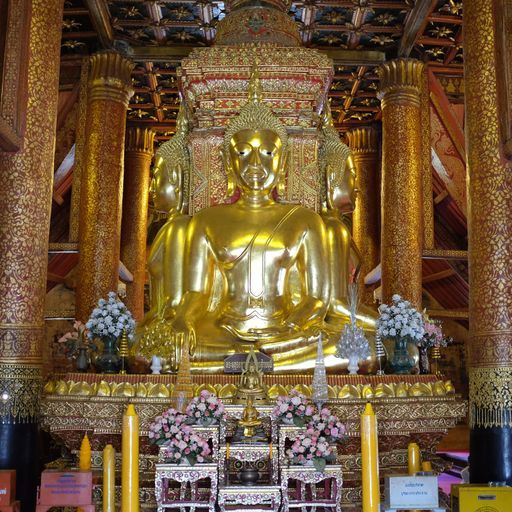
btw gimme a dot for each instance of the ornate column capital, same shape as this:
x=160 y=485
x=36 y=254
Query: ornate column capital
x=110 y=77
x=139 y=140
x=401 y=82
x=363 y=140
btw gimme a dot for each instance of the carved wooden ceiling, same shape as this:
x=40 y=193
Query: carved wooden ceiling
x=358 y=34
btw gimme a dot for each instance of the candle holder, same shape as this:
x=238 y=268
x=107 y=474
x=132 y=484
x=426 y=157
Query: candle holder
x=435 y=357
x=123 y=352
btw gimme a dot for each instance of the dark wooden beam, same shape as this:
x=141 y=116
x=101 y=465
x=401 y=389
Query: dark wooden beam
x=340 y=57
x=437 y=276
x=415 y=24
x=100 y=19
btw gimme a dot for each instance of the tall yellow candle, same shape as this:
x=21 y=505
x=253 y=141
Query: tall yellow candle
x=370 y=460
x=109 y=479
x=130 y=461
x=413 y=458
x=84 y=461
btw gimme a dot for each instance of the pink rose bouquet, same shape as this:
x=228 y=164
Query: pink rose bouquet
x=165 y=427
x=311 y=448
x=186 y=445
x=294 y=409
x=328 y=425
x=433 y=336
x=205 y=409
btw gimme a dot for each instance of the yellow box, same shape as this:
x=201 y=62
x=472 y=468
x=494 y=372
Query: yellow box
x=481 y=498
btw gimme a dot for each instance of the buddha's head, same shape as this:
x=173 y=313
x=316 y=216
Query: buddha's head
x=339 y=169
x=171 y=162
x=255 y=145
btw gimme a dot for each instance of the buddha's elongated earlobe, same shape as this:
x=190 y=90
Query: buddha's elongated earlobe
x=231 y=185
x=281 y=184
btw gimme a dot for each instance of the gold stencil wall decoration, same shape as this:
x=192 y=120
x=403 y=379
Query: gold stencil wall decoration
x=490 y=394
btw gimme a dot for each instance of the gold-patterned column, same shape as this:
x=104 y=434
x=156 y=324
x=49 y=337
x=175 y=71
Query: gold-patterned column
x=426 y=153
x=402 y=175
x=109 y=89
x=26 y=179
x=490 y=251
x=137 y=163
x=364 y=143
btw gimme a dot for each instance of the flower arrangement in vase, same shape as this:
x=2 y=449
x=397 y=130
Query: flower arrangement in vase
x=433 y=338
x=328 y=425
x=293 y=409
x=353 y=344
x=107 y=321
x=402 y=323
x=205 y=409
x=165 y=426
x=186 y=447
x=311 y=449
x=78 y=345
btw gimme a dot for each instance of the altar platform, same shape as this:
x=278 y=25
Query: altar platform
x=409 y=408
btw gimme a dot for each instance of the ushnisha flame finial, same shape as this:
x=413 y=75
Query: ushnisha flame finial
x=327 y=120
x=255 y=90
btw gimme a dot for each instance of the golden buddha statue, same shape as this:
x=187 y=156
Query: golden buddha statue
x=239 y=257
x=165 y=259
x=344 y=257
x=250 y=418
x=251 y=381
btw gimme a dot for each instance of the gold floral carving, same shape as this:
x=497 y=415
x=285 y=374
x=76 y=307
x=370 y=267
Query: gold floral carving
x=227 y=391
x=100 y=198
x=490 y=204
x=364 y=143
x=137 y=162
x=402 y=177
x=490 y=395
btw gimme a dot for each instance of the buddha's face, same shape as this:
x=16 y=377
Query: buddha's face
x=165 y=188
x=341 y=187
x=256 y=158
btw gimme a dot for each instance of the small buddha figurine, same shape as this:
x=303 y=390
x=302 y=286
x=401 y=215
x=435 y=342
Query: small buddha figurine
x=240 y=256
x=250 y=418
x=167 y=252
x=251 y=381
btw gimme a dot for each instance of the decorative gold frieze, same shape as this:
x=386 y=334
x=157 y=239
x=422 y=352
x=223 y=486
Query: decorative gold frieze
x=490 y=395
x=20 y=392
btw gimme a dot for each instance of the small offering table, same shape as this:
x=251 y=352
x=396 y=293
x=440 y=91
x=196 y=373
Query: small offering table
x=263 y=498
x=188 y=495
x=299 y=489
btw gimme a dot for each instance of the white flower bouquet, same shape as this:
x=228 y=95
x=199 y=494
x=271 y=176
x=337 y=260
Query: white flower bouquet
x=165 y=426
x=205 y=409
x=109 y=318
x=293 y=409
x=328 y=425
x=311 y=448
x=400 y=321
x=186 y=446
